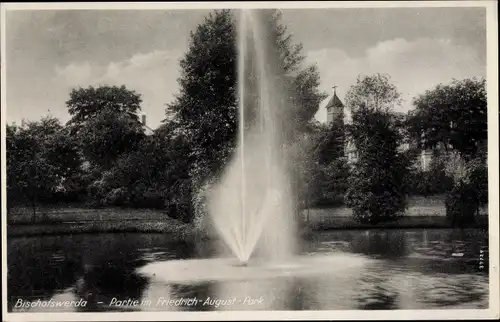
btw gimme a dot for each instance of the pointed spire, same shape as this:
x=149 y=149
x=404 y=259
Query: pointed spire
x=334 y=100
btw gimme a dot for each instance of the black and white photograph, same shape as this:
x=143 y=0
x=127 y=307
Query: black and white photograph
x=244 y=160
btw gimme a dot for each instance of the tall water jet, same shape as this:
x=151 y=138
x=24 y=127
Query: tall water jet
x=252 y=206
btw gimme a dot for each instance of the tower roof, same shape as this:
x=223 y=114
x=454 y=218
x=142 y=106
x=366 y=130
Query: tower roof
x=334 y=102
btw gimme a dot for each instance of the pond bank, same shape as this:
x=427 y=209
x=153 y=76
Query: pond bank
x=422 y=213
x=185 y=231
x=175 y=228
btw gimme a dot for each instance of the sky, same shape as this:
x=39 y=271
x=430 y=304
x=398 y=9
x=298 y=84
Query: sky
x=49 y=52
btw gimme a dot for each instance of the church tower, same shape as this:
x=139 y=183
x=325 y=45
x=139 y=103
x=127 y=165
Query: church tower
x=335 y=109
x=335 y=121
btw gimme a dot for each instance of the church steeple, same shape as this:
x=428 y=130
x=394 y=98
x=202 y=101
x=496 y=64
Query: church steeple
x=335 y=108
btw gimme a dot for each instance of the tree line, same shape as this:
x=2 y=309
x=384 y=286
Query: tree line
x=102 y=156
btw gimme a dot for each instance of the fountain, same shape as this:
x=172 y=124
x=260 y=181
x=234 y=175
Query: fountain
x=252 y=207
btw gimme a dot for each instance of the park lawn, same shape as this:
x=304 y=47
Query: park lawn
x=421 y=213
x=69 y=215
x=170 y=226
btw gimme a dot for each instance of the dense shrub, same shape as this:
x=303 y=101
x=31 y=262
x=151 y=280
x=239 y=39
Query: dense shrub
x=469 y=193
x=435 y=181
x=377 y=184
x=332 y=184
x=116 y=197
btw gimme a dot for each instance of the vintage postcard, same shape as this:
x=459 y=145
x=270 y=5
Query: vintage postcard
x=249 y=160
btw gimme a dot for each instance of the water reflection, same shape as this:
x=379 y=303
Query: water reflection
x=412 y=269
x=380 y=243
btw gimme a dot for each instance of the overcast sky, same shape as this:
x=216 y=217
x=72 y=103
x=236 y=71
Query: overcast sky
x=50 y=52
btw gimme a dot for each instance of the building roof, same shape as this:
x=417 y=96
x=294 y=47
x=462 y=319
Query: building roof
x=147 y=130
x=334 y=102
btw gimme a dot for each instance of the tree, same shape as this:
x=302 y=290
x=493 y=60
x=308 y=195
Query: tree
x=154 y=175
x=108 y=135
x=333 y=171
x=452 y=115
x=374 y=92
x=207 y=105
x=434 y=181
x=304 y=168
x=468 y=194
x=85 y=104
x=40 y=157
x=377 y=190
x=330 y=143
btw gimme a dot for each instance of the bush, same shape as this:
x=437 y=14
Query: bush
x=116 y=197
x=332 y=184
x=142 y=196
x=374 y=207
x=461 y=204
x=429 y=183
x=377 y=183
x=468 y=194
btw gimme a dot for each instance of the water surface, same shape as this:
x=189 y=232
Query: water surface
x=405 y=269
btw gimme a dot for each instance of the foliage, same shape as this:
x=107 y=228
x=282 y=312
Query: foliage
x=155 y=175
x=332 y=168
x=377 y=186
x=469 y=193
x=333 y=183
x=452 y=115
x=108 y=135
x=432 y=182
x=301 y=81
x=375 y=92
x=86 y=104
x=304 y=169
x=318 y=167
x=41 y=160
x=207 y=106
x=330 y=143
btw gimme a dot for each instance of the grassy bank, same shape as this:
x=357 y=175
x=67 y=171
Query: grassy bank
x=173 y=227
x=422 y=221
x=52 y=221
x=421 y=213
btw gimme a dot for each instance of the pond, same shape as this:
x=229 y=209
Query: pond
x=405 y=269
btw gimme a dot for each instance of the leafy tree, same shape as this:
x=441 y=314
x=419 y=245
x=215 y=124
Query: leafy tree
x=40 y=157
x=452 y=115
x=333 y=171
x=304 y=168
x=432 y=182
x=377 y=190
x=207 y=105
x=333 y=183
x=86 y=104
x=375 y=92
x=155 y=174
x=318 y=167
x=330 y=143
x=469 y=193
x=378 y=185
x=108 y=135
